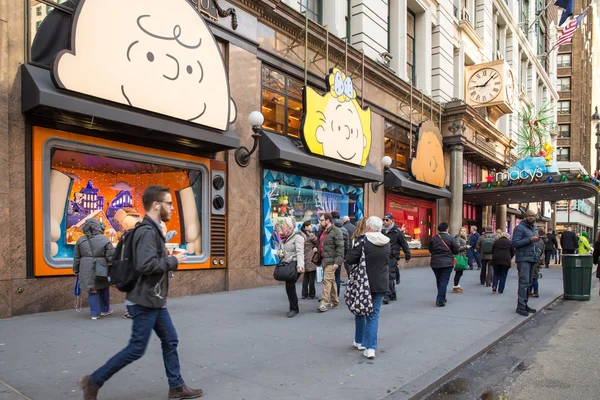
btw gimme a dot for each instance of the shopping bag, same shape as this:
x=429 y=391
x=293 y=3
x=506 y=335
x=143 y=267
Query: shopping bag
x=462 y=263
x=319 y=274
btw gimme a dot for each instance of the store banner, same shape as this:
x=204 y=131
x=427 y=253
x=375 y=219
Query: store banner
x=154 y=55
x=334 y=125
x=428 y=164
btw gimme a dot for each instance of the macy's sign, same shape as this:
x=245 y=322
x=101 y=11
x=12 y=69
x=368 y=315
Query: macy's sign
x=523 y=174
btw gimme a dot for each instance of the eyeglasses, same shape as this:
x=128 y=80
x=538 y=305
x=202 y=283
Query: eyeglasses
x=386 y=219
x=321 y=220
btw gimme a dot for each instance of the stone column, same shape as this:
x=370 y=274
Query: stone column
x=456 y=187
x=501 y=217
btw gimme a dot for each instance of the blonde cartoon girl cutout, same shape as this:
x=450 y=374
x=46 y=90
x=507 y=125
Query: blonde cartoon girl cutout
x=334 y=125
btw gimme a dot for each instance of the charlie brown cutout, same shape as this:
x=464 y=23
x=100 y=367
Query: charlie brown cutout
x=155 y=55
x=335 y=125
x=428 y=165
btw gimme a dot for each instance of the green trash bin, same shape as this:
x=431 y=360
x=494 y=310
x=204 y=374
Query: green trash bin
x=577 y=276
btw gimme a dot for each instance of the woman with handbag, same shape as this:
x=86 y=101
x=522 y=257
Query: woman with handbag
x=91 y=259
x=502 y=254
x=461 y=259
x=312 y=258
x=292 y=252
x=443 y=248
x=368 y=284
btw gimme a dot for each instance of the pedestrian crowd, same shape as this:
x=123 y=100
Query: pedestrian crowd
x=369 y=251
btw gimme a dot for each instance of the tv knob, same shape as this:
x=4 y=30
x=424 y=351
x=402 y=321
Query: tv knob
x=218 y=202
x=218 y=182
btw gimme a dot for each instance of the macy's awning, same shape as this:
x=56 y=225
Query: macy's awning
x=401 y=182
x=285 y=153
x=548 y=187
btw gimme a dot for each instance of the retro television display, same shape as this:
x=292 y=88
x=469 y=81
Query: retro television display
x=77 y=177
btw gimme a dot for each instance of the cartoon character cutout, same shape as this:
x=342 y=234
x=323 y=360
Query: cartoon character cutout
x=428 y=165
x=335 y=125
x=154 y=55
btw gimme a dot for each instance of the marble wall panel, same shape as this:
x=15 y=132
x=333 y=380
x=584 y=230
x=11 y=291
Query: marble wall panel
x=5 y=297
x=241 y=278
x=206 y=281
x=5 y=252
x=243 y=245
x=245 y=187
x=264 y=277
x=41 y=295
x=16 y=251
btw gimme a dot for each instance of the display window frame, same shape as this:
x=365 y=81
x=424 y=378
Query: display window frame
x=269 y=256
x=420 y=204
x=44 y=140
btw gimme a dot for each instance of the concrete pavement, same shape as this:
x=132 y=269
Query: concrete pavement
x=239 y=345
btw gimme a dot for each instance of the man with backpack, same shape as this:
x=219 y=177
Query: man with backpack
x=484 y=248
x=143 y=267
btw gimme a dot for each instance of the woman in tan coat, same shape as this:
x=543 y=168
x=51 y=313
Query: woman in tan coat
x=311 y=260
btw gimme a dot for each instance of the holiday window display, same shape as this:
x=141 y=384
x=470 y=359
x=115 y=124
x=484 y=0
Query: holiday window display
x=304 y=199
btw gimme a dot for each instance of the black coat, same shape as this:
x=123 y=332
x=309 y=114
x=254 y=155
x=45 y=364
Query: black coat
x=376 y=258
x=397 y=241
x=350 y=228
x=442 y=255
x=552 y=242
x=569 y=241
x=502 y=252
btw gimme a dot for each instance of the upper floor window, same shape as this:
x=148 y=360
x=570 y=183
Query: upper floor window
x=564 y=130
x=471 y=172
x=281 y=102
x=523 y=10
x=541 y=42
x=38 y=11
x=563 y=60
x=410 y=45
x=563 y=154
x=563 y=84
x=397 y=145
x=313 y=8
x=564 y=107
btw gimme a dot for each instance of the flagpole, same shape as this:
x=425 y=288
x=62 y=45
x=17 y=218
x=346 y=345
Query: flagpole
x=538 y=16
x=557 y=45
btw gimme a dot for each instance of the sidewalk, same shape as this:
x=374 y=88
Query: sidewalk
x=239 y=345
x=567 y=367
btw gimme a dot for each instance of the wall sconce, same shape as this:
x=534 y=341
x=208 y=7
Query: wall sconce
x=386 y=162
x=242 y=154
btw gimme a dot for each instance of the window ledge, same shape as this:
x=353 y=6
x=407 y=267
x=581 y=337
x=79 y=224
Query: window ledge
x=467 y=28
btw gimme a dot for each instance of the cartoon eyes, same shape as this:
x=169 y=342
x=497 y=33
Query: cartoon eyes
x=343 y=86
x=150 y=56
x=189 y=69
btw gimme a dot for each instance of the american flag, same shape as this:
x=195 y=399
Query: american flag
x=569 y=30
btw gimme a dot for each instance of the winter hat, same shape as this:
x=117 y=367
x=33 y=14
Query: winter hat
x=442 y=227
x=584 y=234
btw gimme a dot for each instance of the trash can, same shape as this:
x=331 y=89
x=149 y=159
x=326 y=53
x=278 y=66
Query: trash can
x=577 y=276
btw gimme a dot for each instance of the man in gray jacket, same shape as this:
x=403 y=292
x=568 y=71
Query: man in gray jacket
x=527 y=253
x=331 y=246
x=147 y=302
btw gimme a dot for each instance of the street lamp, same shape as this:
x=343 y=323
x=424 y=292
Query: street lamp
x=386 y=161
x=596 y=120
x=242 y=154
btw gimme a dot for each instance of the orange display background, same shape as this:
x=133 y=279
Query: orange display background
x=174 y=180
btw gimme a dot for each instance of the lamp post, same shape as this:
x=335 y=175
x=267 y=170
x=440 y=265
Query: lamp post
x=242 y=154
x=386 y=161
x=596 y=120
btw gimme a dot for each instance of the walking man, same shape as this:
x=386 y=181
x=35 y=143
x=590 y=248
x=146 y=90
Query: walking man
x=472 y=252
x=397 y=241
x=338 y=224
x=551 y=247
x=331 y=246
x=147 y=302
x=348 y=225
x=528 y=253
x=569 y=241
x=484 y=248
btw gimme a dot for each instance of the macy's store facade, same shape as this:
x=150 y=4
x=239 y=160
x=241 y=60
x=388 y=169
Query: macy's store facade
x=164 y=98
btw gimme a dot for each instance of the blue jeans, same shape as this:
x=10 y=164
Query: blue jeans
x=526 y=270
x=365 y=328
x=144 y=321
x=99 y=302
x=500 y=274
x=442 y=277
x=472 y=254
x=535 y=287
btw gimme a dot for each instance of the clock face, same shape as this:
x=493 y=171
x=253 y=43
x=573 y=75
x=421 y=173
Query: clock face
x=510 y=87
x=484 y=86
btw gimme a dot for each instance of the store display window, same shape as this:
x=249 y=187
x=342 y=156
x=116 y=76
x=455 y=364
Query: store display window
x=304 y=199
x=78 y=178
x=417 y=218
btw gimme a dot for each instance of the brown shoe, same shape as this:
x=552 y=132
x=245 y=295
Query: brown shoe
x=184 y=392
x=89 y=388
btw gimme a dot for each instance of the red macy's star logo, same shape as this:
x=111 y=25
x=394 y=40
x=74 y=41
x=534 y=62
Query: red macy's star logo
x=490 y=178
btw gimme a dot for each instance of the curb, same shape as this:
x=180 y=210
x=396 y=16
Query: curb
x=430 y=380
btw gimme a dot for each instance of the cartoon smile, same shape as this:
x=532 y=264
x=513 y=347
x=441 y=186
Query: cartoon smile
x=433 y=169
x=346 y=158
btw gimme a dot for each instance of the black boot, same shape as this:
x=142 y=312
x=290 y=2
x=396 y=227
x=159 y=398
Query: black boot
x=184 y=392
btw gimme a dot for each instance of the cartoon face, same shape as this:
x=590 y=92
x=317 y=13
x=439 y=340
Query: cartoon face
x=334 y=125
x=428 y=165
x=154 y=55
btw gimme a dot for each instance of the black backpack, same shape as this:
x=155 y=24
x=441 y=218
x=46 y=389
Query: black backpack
x=122 y=272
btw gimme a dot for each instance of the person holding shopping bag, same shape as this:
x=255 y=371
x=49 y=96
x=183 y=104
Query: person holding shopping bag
x=370 y=252
x=91 y=259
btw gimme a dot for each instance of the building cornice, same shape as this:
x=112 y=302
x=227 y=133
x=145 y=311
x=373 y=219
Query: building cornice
x=526 y=46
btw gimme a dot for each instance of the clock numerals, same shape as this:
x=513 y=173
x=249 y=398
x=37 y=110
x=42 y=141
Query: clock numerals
x=484 y=86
